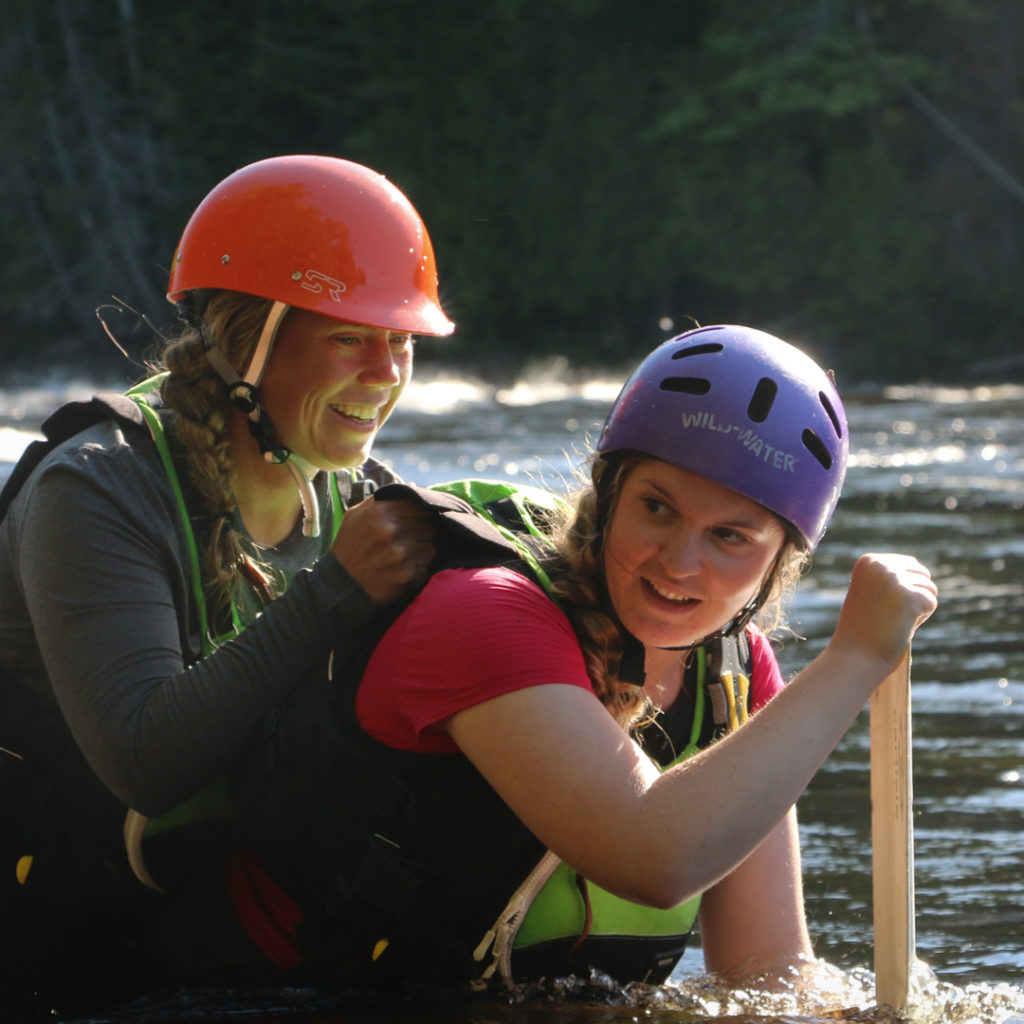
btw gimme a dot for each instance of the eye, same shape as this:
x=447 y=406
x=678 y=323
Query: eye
x=654 y=506
x=347 y=340
x=730 y=536
x=403 y=341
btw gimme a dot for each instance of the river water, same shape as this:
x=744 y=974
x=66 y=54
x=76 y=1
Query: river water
x=935 y=471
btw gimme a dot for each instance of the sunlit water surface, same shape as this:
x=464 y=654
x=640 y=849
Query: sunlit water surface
x=936 y=472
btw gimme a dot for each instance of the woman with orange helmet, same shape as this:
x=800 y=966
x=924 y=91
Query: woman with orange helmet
x=327 y=237
x=174 y=560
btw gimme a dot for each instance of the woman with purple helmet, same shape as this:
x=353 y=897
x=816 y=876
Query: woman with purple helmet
x=717 y=471
x=715 y=475
x=590 y=724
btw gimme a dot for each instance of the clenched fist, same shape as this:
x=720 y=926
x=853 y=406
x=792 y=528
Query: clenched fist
x=890 y=595
x=386 y=546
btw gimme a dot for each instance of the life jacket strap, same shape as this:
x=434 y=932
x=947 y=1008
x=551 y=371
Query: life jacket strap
x=501 y=936
x=134 y=829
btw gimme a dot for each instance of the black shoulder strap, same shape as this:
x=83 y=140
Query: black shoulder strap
x=67 y=421
x=464 y=536
x=39 y=745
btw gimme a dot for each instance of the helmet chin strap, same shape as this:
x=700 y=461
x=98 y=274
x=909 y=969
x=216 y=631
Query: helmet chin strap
x=632 y=665
x=244 y=394
x=737 y=623
x=730 y=629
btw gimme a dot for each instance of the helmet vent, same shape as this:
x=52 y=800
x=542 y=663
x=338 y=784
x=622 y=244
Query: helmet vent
x=762 y=400
x=698 y=350
x=827 y=405
x=686 y=385
x=816 y=447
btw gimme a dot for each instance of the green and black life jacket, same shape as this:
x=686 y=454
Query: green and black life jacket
x=403 y=863
x=47 y=791
x=571 y=922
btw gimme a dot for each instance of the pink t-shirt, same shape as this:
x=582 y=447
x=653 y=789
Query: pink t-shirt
x=475 y=634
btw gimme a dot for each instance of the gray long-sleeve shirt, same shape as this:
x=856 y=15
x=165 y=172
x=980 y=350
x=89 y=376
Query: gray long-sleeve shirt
x=97 y=615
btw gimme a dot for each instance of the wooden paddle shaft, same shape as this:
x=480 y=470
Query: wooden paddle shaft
x=892 y=837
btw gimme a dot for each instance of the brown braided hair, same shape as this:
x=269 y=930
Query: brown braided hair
x=199 y=396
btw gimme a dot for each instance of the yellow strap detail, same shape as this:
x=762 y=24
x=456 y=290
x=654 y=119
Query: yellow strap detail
x=744 y=687
x=730 y=696
x=23 y=867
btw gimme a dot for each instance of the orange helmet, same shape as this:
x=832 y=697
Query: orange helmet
x=317 y=232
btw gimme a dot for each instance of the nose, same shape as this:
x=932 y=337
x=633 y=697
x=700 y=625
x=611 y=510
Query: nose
x=381 y=363
x=682 y=554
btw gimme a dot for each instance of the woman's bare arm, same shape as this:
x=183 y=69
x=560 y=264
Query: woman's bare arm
x=755 y=915
x=575 y=779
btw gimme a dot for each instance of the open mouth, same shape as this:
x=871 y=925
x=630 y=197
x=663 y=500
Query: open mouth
x=364 y=415
x=680 y=600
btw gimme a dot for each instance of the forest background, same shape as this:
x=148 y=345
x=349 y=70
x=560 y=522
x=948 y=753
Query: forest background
x=595 y=174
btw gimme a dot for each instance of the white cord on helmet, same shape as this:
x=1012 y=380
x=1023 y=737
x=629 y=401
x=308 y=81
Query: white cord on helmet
x=310 y=506
x=244 y=393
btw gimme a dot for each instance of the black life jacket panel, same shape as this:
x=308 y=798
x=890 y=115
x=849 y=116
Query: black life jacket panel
x=68 y=898
x=374 y=843
x=61 y=425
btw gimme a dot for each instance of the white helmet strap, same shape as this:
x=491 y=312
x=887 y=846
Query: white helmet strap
x=242 y=389
x=244 y=393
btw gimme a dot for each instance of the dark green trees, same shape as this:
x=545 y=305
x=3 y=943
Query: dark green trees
x=844 y=172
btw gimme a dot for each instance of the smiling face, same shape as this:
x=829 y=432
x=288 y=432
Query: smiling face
x=683 y=555
x=329 y=385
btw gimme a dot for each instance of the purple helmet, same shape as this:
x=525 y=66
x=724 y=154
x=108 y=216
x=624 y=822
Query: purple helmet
x=744 y=409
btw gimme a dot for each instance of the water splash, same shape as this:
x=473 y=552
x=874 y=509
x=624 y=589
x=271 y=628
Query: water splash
x=838 y=998
x=814 y=992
